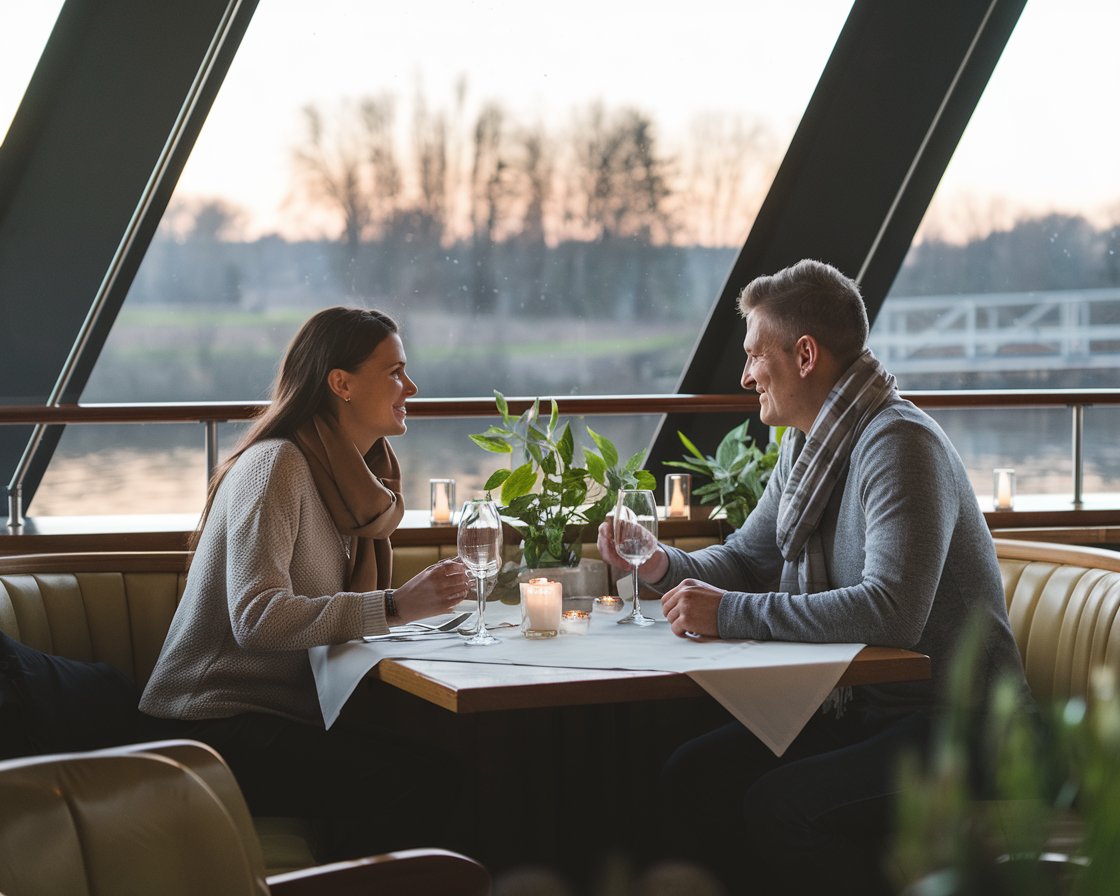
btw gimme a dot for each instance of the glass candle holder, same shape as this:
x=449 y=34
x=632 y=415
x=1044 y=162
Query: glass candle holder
x=678 y=496
x=1003 y=488
x=575 y=622
x=443 y=499
x=541 y=602
x=608 y=603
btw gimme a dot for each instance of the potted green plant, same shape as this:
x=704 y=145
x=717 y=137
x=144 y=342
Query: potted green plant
x=549 y=498
x=1049 y=819
x=738 y=472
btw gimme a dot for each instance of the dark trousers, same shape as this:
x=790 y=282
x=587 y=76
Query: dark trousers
x=811 y=821
x=365 y=792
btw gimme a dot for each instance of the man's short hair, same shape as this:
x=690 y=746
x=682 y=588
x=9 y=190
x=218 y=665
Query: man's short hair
x=810 y=298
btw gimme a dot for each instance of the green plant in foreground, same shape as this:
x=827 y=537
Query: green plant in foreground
x=568 y=494
x=738 y=472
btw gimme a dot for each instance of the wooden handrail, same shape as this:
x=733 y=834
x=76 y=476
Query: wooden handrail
x=741 y=402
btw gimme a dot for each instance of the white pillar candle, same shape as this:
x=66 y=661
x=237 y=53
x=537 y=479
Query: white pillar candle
x=541 y=601
x=678 y=487
x=1005 y=489
x=443 y=499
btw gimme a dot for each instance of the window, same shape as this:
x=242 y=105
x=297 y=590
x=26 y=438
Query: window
x=547 y=202
x=26 y=26
x=1013 y=280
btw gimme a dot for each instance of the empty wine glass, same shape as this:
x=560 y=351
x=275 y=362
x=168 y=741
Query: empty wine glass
x=635 y=539
x=480 y=548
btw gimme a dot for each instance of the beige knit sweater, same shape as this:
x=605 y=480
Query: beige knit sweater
x=263 y=587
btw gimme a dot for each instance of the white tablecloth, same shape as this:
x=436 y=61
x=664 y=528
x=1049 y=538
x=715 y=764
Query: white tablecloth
x=772 y=687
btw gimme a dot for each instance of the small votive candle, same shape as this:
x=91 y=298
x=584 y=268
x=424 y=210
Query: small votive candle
x=541 y=601
x=608 y=603
x=678 y=496
x=1004 y=488
x=575 y=622
x=443 y=499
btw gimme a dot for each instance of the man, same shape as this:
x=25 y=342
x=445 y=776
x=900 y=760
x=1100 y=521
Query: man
x=869 y=532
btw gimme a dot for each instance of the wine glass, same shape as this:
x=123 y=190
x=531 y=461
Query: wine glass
x=635 y=539
x=480 y=548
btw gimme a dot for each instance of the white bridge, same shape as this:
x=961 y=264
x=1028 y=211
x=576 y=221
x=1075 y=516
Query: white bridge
x=995 y=332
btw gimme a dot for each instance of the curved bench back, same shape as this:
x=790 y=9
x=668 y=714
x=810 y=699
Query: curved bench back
x=1064 y=607
x=113 y=608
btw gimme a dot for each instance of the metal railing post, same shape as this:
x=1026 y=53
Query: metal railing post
x=15 y=507
x=1078 y=442
x=211 y=449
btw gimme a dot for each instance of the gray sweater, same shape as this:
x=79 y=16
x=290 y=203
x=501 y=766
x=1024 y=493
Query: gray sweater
x=265 y=584
x=910 y=561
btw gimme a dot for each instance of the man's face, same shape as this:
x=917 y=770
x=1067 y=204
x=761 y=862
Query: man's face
x=772 y=371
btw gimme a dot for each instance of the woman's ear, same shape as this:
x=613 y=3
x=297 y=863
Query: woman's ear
x=338 y=381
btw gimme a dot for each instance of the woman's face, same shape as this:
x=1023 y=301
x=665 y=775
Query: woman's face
x=374 y=394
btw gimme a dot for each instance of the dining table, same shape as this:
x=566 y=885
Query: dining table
x=772 y=687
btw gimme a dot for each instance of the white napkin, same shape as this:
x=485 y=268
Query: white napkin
x=771 y=687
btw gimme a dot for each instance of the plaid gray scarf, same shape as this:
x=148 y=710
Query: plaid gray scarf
x=824 y=454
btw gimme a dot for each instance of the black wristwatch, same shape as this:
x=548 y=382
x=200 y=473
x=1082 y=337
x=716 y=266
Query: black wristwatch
x=390 y=605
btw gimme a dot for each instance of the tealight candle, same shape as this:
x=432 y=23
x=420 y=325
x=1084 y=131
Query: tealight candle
x=575 y=622
x=541 y=602
x=678 y=496
x=443 y=499
x=608 y=603
x=1004 y=488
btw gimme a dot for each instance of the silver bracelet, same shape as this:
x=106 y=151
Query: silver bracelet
x=390 y=605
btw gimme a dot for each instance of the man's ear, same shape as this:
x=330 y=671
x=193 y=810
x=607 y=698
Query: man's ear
x=808 y=354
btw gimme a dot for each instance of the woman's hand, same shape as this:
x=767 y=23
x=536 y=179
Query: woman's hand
x=433 y=591
x=653 y=570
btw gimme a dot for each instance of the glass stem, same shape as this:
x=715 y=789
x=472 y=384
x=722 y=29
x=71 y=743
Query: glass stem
x=636 y=610
x=479 y=585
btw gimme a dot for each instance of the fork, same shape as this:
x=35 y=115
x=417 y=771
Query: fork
x=447 y=626
x=422 y=629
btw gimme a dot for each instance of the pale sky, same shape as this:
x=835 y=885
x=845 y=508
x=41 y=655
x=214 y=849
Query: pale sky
x=1044 y=136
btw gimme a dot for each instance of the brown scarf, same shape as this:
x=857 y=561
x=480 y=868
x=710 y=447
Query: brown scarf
x=363 y=495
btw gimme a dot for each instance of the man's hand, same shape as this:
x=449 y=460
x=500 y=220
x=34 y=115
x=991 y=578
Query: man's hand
x=692 y=608
x=653 y=570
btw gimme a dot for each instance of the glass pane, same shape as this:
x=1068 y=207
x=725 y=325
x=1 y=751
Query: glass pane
x=1013 y=280
x=25 y=26
x=547 y=202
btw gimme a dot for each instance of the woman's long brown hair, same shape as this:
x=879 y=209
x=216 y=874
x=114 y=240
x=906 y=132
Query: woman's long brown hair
x=336 y=337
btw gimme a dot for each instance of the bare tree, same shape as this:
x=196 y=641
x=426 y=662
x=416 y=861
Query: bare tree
x=333 y=165
x=620 y=181
x=728 y=166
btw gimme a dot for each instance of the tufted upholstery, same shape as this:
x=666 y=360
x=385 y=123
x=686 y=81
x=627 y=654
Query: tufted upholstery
x=1064 y=607
x=168 y=818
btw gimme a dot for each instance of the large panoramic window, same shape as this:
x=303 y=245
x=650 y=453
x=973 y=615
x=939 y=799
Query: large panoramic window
x=25 y=26
x=1013 y=280
x=548 y=202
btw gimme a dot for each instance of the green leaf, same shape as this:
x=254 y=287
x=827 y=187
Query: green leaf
x=566 y=445
x=646 y=480
x=606 y=448
x=520 y=482
x=494 y=446
x=596 y=469
x=503 y=406
x=553 y=417
x=496 y=479
x=688 y=444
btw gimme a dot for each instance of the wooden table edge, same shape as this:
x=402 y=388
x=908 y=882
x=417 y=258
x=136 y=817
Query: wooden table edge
x=872 y=665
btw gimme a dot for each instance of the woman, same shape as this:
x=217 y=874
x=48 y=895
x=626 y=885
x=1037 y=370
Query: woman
x=293 y=552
